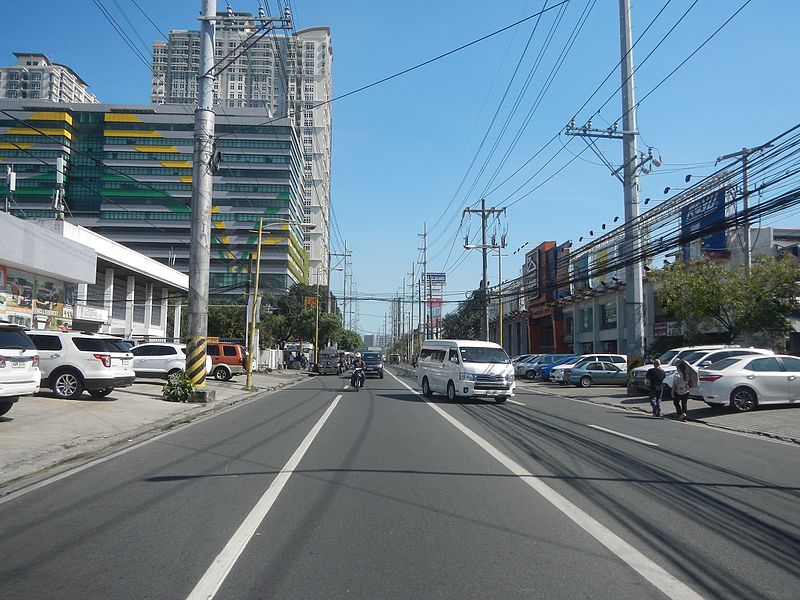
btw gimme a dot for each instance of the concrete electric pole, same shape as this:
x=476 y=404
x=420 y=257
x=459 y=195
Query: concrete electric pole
x=484 y=212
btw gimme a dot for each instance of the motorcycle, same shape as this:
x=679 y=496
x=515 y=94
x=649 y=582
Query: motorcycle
x=357 y=378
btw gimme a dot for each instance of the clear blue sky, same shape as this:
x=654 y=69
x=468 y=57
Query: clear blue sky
x=401 y=149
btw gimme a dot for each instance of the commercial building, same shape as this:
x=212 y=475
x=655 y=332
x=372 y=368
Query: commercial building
x=281 y=75
x=127 y=175
x=36 y=77
x=58 y=276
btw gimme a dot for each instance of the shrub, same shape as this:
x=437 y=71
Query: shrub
x=178 y=388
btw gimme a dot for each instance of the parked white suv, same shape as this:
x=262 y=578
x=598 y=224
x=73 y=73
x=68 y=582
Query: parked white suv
x=73 y=361
x=161 y=360
x=19 y=365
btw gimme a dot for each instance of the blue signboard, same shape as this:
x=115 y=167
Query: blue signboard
x=704 y=220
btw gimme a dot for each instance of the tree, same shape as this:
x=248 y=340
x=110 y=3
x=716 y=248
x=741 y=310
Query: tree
x=349 y=340
x=465 y=322
x=227 y=320
x=703 y=294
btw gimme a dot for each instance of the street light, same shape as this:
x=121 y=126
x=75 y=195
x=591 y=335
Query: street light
x=248 y=385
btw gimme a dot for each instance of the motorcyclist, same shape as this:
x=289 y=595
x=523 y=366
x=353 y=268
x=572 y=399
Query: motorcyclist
x=358 y=370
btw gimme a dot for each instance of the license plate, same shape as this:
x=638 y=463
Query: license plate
x=17 y=365
x=126 y=362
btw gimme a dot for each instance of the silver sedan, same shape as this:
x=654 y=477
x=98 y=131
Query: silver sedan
x=745 y=382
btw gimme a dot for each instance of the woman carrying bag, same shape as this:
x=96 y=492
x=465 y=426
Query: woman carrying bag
x=680 y=391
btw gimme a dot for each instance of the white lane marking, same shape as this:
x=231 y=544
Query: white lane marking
x=210 y=583
x=517 y=403
x=627 y=437
x=669 y=585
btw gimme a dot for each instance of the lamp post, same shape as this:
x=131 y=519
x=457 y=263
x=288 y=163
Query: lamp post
x=248 y=385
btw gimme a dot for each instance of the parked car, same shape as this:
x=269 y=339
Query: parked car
x=669 y=362
x=746 y=382
x=586 y=374
x=543 y=371
x=702 y=359
x=373 y=364
x=227 y=360
x=545 y=361
x=465 y=368
x=557 y=372
x=521 y=366
x=72 y=362
x=162 y=361
x=19 y=365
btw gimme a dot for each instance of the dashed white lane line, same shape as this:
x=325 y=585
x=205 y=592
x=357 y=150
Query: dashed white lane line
x=213 y=578
x=622 y=435
x=669 y=585
x=517 y=403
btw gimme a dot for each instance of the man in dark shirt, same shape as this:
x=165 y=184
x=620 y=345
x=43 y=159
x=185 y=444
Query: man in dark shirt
x=655 y=381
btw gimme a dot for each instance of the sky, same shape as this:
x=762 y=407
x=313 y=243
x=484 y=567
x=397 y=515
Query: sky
x=418 y=149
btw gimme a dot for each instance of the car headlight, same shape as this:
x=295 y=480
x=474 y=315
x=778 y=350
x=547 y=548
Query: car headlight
x=466 y=376
x=509 y=377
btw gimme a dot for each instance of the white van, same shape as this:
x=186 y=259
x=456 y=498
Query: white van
x=464 y=368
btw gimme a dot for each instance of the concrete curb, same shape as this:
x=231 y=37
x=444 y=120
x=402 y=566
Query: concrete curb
x=87 y=450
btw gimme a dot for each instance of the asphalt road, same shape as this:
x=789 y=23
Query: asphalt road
x=316 y=492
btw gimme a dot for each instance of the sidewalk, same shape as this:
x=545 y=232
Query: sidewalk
x=44 y=434
x=778 y=422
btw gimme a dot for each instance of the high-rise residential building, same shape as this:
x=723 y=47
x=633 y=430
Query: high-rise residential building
x=128 y=176
x=282 y=75
x=36 y=77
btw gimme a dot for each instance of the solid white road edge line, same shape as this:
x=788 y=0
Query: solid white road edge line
x=214 y=577
x=517 y=403
x=627 y=437
x=669 y=585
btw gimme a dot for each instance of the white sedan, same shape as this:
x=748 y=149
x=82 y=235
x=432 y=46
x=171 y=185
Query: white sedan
x=745 y=382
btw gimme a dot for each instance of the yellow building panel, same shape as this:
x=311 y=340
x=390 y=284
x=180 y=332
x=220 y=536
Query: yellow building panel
x=51 y=116
x=129 y=133
x=218 y=224
x=170 y=149
x=15 y=146
x=185 y=178
x=214 y=210
x=121 y=118
x=176 y=164
x=37 y=131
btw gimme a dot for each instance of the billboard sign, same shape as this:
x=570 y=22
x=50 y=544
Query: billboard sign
x=703 y=226
x=531 y=273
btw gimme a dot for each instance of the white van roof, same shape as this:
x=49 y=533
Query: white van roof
x=473 y=343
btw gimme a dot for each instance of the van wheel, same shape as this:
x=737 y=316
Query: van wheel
x=101 y=393
x=222 y=374
x=67 y=384
x=426 y=388
x=451 y=392
x=500 y=399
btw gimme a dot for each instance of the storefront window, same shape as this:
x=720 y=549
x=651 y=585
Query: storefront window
x=608 y=315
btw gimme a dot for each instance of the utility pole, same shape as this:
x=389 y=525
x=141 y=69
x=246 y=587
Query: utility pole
x=200 y=249
x=345 y=255
x=745 y=153
x=631 y=165
x=634 y=315
x=484 y=212
x=424 y=236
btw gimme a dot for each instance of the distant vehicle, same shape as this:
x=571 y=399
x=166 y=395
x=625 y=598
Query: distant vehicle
x=19 y=366
x=545 y=360
x=586 y=374
x=373 y=364
x=543 y=371
x=329 y=362
x=746 y=382
x=465 y=368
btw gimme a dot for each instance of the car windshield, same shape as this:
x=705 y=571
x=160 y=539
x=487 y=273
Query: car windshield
x=724 y=363
x=15 y=339
x=693 y=357
x=667 y=356
x=371 y=357
x=478 y=354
